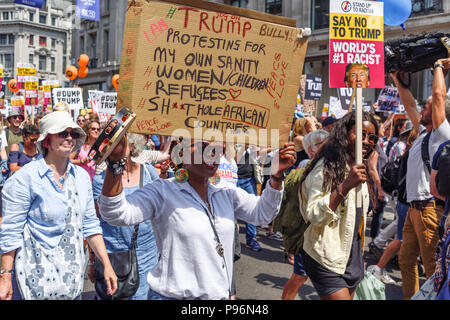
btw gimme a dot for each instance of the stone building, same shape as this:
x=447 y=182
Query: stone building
x=38 y=36
x=102 y=41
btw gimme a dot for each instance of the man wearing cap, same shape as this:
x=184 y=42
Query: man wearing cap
x=328 y=124
x=14 y=131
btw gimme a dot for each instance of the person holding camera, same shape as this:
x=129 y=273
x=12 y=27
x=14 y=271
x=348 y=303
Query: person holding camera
x=420 y=233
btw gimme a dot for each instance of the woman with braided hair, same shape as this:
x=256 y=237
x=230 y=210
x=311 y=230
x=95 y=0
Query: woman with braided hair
x=332 y=249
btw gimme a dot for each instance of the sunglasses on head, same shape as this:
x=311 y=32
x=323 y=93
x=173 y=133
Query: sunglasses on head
x=65 y=134
x=373 y=138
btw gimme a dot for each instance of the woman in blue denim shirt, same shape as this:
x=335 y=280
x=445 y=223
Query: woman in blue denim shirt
x=48 y=210
x=120 y=238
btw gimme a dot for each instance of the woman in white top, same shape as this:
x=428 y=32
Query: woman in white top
x=193 y=220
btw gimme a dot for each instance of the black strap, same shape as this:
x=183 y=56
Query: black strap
x=136 y=227
x=425 y=152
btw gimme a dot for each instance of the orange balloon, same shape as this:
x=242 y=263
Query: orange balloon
x=12 y=85
x=83 y=60
x=115 y=81
x=71 y=72
x=83 y=72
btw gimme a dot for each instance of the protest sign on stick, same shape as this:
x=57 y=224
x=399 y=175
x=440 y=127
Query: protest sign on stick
x=198 y=65
x=356 y=44
x=388 y=99
x=313 y=89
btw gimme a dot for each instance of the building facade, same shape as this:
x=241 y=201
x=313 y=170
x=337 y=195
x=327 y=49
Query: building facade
x=38 y=36
x=429 y=16
x=102 y=41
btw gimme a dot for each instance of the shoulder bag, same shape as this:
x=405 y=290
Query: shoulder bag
x=125 y=266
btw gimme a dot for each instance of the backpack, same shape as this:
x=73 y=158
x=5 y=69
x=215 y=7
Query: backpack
x=443 y=172
x=289 y=221
x=390 y=176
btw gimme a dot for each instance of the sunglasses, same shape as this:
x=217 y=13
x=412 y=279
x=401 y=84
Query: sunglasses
x=65 y=134
x=17 y=117
x=373 y=138
x=95 y=129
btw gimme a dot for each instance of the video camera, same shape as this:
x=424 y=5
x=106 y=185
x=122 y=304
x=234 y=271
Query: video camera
x=415 y=53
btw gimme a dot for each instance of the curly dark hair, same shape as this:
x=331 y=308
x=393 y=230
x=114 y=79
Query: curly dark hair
x=336 y=152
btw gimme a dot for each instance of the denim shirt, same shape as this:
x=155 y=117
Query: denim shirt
x=32 y=196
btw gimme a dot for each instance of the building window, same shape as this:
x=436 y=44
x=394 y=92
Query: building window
x=43 y=41
x=11 y=39
x=106 y=6
x=239 y=3
x=31 y=58
x=274 y=6
x=320 y=14
x=82 y=44
x=64 y=64
x=105 y=46
x=53 y=21
x=42 y=63
x=5 y=15
x=31 y=16
x=53 y=43
x=31 y=40
x=92 y=45
x=8 y=61
x=52 y=64
x=3 y=39
x=43 y=18
x=424 y=7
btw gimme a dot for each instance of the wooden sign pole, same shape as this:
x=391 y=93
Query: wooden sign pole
x=358 y=147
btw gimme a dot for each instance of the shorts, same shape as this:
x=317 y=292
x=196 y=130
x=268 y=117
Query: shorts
x=402 y=210
x=298 y=265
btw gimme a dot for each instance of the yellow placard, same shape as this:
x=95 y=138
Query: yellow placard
x=31 y=85
x=197 y=69
x=356 y=27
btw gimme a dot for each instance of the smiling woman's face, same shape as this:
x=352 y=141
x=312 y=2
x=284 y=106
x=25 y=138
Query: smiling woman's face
x=369 y=138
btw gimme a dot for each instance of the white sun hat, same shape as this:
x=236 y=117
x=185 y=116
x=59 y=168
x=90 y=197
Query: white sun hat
x=57 y=122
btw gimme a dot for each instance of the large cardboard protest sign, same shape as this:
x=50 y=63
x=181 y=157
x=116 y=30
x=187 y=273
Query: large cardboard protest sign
x=356 y=44
x=198 y=65
x=73 y=97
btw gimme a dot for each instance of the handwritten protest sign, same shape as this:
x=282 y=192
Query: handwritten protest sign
x=335 y=108
x=388 y=99
x=356 y=44
x=73 y=97
x=212 y=66
x=313 y=89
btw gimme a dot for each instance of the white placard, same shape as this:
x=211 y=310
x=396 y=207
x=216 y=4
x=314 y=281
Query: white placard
x=73 y=96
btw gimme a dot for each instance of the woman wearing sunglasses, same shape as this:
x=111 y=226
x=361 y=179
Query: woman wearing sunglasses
x=332 y=248
x=48 y=210
x=92 y=129
x=193 y=217
x=26 y=151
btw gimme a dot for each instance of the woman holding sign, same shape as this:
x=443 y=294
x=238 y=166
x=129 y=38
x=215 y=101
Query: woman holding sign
x=332 y=249
x=193 y=218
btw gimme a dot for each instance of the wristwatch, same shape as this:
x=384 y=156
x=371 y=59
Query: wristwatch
x=438 y=65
